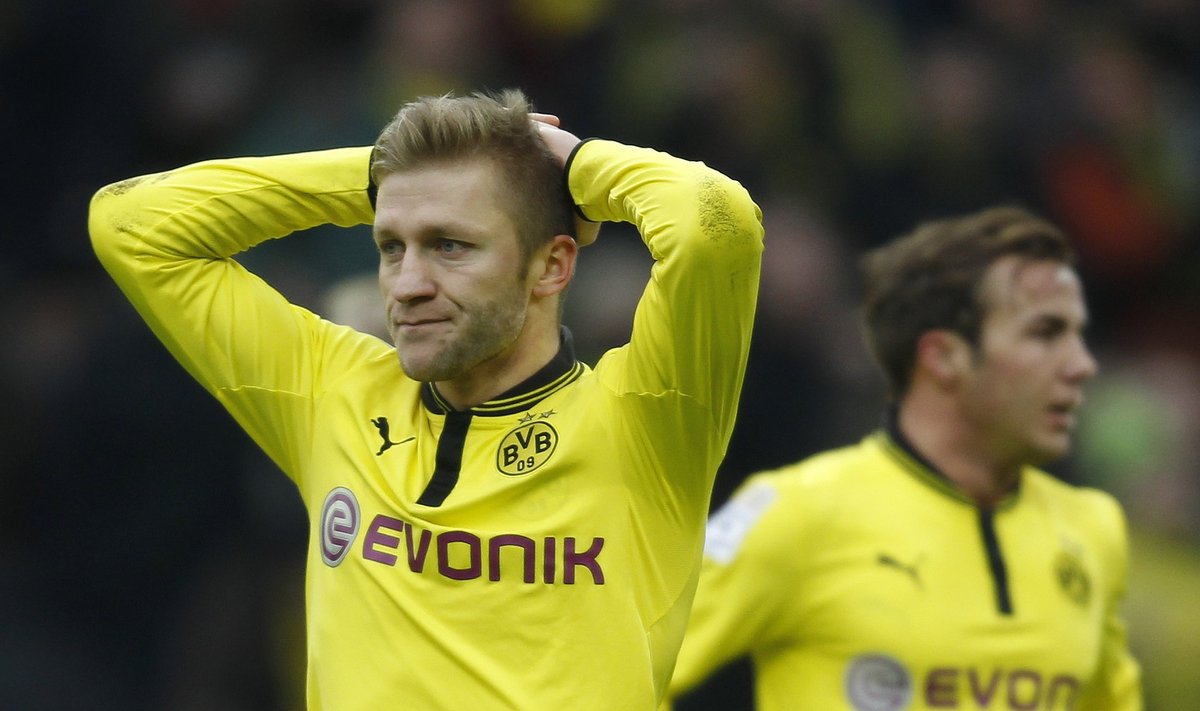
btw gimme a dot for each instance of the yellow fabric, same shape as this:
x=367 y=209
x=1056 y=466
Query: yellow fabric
x=858 y=579
x=558 y=571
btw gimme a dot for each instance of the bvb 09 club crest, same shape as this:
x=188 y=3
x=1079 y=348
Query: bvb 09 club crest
x=1073 y=578
x=526 y=448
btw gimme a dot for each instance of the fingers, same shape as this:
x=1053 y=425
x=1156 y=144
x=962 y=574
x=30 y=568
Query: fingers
x=545 y=118
x=561 y=143
x=585 y=232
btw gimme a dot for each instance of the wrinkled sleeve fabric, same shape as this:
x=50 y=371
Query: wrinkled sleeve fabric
x=692 y=327
x=169 y=240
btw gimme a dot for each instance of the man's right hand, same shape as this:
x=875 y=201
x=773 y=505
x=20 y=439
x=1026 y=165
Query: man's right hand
x=561 y=143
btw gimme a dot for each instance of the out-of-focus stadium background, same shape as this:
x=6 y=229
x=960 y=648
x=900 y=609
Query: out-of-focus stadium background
x=150 y=558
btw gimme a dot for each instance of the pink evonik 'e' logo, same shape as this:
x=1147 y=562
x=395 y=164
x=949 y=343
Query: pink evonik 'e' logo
x=340 y=517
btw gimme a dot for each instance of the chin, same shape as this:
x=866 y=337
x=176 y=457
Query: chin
x=419 y=369
x=1051 y=449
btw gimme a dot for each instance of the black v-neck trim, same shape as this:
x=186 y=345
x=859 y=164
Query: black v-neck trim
x=447 y=460
x=561 y=370
x=922 y=469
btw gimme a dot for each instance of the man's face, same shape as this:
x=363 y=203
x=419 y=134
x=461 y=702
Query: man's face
x=450 y=269
x=1026 y=379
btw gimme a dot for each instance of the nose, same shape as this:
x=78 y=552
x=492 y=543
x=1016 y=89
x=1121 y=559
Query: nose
x=1081 y=365
x=408 y=279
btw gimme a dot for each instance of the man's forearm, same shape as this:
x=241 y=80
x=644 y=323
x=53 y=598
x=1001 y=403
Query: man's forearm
x=216 y=209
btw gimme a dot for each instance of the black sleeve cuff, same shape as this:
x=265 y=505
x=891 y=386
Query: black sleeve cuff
x=372 y=188
x=567 y=181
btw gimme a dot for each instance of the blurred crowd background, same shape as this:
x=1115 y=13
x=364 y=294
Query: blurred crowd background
x=151 y=558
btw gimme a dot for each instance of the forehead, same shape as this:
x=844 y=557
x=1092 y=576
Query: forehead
x=464 y=187
x=1017 y=287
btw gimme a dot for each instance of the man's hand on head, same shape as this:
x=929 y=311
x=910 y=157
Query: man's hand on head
x=561 y=143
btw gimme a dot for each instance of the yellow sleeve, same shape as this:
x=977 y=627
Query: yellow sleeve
x=168 y=241
x=743 y=582
x=1117 y=685
x=705 y=235
x=692 y=327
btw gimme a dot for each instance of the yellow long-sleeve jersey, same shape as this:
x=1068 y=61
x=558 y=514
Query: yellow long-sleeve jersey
x=539 y=551
x=861 y=580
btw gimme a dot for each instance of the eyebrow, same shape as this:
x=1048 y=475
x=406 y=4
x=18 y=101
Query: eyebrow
x=434 y=232
x=1053 y=320
x=1056 y=322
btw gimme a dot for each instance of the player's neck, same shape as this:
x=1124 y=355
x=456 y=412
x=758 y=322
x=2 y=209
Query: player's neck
x=957 y=450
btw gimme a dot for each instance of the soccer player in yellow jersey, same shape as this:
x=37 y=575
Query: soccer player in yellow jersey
x=494 y=524
x=931 y=565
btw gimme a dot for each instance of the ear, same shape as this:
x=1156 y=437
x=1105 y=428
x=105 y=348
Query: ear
x=944 y=356
x=555 y=266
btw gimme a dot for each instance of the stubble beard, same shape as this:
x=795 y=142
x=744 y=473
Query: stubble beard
x=486 y=333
